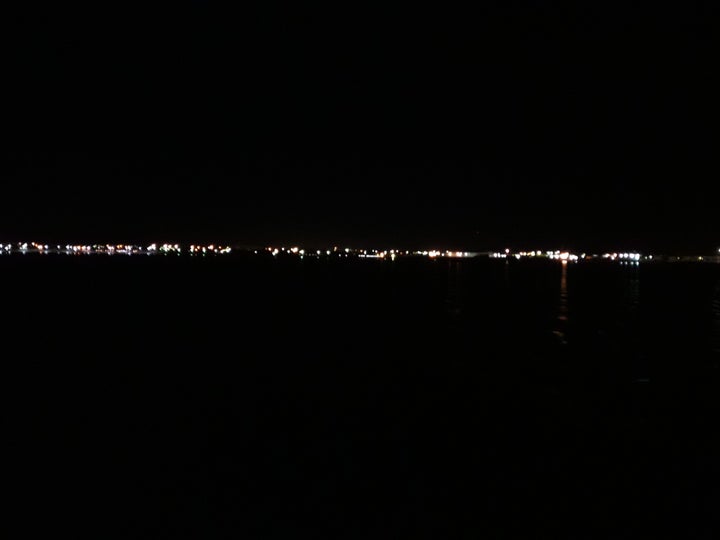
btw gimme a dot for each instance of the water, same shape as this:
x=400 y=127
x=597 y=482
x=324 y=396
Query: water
x=259 y=398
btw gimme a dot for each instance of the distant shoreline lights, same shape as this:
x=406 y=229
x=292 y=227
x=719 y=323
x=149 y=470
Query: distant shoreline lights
x=631 y=258
x=110 y=249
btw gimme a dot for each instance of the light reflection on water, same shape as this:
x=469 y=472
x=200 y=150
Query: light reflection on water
x=562 y=310
x=632 y=331
x=633 y=290
x=629 y=321
x=454 y=296
x=715 y=329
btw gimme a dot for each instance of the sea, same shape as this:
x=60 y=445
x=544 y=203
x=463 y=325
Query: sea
x=258 y=397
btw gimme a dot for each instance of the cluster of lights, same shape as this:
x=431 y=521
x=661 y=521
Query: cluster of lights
x=624 y=256
x=289 y=251
x=335 y=251
x=108 y=249
x=211 y=248
x=366 y=253
x=392 y=254
x=169 y=248
x=437 y=253
x=566 y=256
x=557 y=254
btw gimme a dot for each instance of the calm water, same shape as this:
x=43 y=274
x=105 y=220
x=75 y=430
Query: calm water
x=231 y=397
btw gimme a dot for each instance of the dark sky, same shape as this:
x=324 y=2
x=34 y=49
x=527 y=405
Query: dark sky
x=529 y=124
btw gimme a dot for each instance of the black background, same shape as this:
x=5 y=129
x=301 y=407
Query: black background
x=521 y=124
x=256 y=397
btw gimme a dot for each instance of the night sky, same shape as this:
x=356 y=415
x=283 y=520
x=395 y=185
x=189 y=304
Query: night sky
x=579 y=125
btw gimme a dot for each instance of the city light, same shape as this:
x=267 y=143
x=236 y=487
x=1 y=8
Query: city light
x=633 y=258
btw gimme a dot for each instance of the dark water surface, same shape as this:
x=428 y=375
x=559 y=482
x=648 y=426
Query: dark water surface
x=235 y=397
